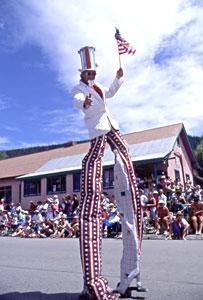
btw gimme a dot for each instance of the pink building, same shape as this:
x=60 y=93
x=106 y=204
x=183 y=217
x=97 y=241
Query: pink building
x=154 y=151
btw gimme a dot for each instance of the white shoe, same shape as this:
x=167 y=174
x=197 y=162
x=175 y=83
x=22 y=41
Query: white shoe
x=123 y=286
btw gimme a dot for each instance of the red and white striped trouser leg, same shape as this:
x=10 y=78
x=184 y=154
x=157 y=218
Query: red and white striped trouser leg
x=90 y=220
x=116 y=141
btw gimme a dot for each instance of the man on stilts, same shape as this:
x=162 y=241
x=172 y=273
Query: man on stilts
x=90 y=97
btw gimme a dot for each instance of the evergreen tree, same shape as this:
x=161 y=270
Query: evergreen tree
x=199 y=153
x=3 y=155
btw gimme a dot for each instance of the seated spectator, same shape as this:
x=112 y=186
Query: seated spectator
x=188 y=190
x=156 y=197
x=18 y=207
x=27 y=230
x=18 y=231
x=151 y=208
x=196 y=215
x=12 y=208
x=42 y=230
x=162 y=218
x=112 y=224
x=46 y=204
x=55 y=206
x=197 y=191
x=162 y=197
x=37 y=217
x=66 y=229
x=143 y=198
x=63 y=206
x=50 y=211
x=14 y=223
x=2 y=204
x=68 y=207
x=177 y=205
x=105 y=201
x=75 y=204
x=48 y=231
x=179 y=227
x=172 y=188
x=75 y=226
x=40 y=206
x=162 y=183
x=20 y=216
x=3 y=221
x=32 y=207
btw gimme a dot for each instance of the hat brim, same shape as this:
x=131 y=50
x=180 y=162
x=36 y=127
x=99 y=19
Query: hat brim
x=90 y=69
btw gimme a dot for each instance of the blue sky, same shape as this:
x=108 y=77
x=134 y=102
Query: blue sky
x=39 y=63
x=28 y=89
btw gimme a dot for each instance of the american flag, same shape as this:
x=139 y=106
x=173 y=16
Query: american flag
x=123 y=45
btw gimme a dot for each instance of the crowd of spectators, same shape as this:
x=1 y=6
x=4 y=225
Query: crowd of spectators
x=169 y=208
x=54 y=218
x=48 y=219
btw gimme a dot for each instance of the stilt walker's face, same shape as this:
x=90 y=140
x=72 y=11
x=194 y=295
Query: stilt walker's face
x=87 y=76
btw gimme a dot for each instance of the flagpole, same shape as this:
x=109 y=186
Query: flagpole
x=119 y=57
x=119 y=60
x=123 y=45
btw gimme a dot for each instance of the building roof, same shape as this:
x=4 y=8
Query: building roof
x=144 y=144
x=151 y=150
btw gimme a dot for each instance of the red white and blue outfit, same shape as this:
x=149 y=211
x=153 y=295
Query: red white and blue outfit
x=102 y=128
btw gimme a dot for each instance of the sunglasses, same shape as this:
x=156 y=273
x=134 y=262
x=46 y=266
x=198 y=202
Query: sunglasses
x=91 y=73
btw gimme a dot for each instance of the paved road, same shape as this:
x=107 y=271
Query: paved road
x=49 y=269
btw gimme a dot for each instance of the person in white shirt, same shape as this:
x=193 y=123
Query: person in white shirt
x=105 y=201
x=91 y=98
x=143 y=198
x=162 y=197
x=2 y=204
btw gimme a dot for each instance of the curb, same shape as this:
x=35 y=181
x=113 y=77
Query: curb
x=163 y=237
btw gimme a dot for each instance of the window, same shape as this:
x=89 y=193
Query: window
x=177 y=174
x=178 y=142
x=5 y=192
x=187 y=176
x=32 y=187
x=108 y=178
x=76 y=182
x=56 y=184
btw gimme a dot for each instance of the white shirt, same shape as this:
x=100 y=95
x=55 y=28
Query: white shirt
x=164 y=198
x=143 y=199
x=97 y=117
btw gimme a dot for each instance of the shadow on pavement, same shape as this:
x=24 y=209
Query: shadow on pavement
x=39 y=296
x=42 y=296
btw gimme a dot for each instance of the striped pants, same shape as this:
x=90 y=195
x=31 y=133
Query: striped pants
x=90 y=210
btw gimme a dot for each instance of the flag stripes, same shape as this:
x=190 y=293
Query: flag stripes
x=123 y=45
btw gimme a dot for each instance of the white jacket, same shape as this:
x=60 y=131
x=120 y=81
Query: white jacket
x=97 y=117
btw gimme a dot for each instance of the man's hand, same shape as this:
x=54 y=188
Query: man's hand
x=119 y=73
x=88 y=101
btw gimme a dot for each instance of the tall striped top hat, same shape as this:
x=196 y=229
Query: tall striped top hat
x=87 y=56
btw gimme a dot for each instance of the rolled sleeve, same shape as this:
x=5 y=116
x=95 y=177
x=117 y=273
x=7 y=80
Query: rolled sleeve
x=110 y=92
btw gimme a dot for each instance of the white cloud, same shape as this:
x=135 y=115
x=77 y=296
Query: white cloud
x=3 y=141
x=10 y=128
x=63 y=122
x=163 y=80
